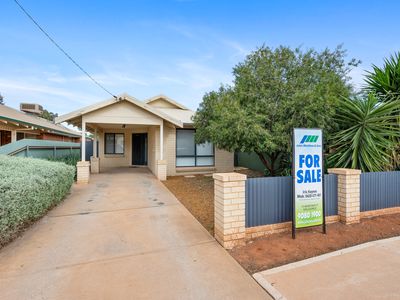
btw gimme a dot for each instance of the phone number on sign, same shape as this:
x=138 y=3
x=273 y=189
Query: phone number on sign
x=307 y=215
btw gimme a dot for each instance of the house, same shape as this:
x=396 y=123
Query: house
x=157 y=133
x=26 y=124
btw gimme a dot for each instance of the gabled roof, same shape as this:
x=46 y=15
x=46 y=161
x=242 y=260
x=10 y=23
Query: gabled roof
x=167 y=99
x=122 y=97
x=10 y=114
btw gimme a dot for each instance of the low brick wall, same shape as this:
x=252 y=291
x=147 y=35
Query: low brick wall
x=229 y=203
x=380 y=212
x=263 y=230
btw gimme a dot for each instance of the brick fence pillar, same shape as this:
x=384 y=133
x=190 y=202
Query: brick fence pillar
x=348 y=194
x=229 y=209
x=82 y=172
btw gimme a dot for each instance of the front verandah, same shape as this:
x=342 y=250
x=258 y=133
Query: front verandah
x=123 y=145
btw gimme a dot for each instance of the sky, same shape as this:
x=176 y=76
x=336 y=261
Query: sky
x=180 y=48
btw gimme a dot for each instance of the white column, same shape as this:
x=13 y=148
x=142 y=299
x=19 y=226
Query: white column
x=13 y=136
x=95 y=143
x=83 y=141
x=162 y=141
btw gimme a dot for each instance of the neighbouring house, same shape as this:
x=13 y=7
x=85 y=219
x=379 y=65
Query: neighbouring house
x=157 y=133
x=26 y=124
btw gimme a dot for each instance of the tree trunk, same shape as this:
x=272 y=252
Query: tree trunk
x=266 y=163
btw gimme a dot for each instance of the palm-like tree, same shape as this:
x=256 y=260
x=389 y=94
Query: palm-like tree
x=385 y=81
x=366 y=138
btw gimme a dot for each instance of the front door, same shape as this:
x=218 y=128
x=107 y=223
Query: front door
x=139 y=149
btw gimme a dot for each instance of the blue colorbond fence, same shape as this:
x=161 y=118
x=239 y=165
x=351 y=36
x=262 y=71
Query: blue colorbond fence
x=269 y=199
x=379 y=190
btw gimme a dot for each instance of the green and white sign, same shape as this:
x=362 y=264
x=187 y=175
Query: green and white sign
x=308 y=177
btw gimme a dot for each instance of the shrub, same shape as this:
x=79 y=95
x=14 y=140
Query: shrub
x=28 y=189
x=69 y=159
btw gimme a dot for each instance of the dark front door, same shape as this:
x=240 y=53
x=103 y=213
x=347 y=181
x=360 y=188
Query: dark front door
x=139 y=149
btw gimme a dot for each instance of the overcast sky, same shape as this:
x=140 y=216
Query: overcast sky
x=179 y=48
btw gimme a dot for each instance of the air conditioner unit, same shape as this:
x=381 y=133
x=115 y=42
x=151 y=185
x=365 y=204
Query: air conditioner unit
x=31 y=108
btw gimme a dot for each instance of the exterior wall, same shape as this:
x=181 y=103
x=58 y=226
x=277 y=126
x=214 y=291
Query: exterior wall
x=153 y=148
x=119 y=160
x=122 y=113
x=224 y=160
x=37 y=134
x=56 y=137
x=170 y=149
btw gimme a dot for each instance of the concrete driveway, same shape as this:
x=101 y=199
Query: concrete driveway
x=123 y=236
x=367 y=271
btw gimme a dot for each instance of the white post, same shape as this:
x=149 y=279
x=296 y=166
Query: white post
x=162 y=141
x=13 y=136
x=83 y=142
x=95 y=143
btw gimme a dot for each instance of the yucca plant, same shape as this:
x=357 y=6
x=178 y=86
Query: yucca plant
x=366 y=139
x=385 y=81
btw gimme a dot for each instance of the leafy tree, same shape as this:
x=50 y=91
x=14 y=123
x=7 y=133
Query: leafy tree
x=365 y=139
x=274 y=90
x=1 y=100
x=48 y=115
x=385 y=81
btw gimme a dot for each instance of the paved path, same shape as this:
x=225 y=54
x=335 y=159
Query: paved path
x=123 y=236
x=368 y=271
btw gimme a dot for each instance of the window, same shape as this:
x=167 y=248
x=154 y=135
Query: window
x=190 y=154
x=20 y=136
x=114 y=143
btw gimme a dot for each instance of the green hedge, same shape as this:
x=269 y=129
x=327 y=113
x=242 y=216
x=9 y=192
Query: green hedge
x=29 y=187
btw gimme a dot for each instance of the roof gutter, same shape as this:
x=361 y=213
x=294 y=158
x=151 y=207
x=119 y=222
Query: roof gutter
x=39 y=126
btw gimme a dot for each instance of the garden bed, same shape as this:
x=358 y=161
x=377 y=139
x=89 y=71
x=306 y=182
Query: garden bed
x=196 y=193
x=280 y=249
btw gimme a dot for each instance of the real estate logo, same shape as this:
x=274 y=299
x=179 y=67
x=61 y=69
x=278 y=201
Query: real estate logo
x=309 y=139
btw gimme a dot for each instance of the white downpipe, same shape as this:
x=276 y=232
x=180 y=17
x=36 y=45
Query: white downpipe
x=83 y=141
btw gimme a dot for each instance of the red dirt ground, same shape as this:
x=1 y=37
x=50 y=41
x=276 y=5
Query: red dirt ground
x=197 y=195
x=279 y=249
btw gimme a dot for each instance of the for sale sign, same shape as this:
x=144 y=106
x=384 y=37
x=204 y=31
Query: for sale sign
x=307 y=178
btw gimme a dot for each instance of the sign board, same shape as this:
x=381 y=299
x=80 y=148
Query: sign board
x=308 y=202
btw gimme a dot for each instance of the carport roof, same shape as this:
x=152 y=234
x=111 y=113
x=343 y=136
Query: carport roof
x=123 y=97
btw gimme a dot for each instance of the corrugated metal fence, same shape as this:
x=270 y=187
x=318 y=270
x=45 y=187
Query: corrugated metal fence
x=269 y=199
x=379 y=190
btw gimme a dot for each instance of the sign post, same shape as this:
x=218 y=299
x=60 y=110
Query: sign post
x=308 y=179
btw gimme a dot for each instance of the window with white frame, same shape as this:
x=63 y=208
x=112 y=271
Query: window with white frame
x=114 y=143
x=190 y=154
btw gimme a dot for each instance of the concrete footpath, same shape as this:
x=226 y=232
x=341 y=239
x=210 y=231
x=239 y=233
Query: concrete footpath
x=123 y=236
x=367 y=271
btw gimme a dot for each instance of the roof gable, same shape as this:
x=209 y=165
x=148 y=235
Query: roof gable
x=162 y=101
x=112 y=101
